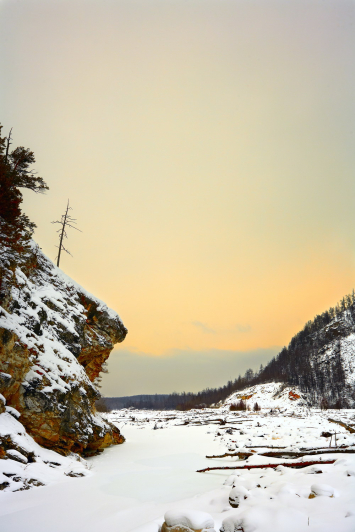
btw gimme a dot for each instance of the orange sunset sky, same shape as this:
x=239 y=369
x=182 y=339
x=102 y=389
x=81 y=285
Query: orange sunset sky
x=207 y=148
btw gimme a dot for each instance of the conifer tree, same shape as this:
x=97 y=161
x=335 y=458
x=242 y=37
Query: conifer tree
x=15 y=173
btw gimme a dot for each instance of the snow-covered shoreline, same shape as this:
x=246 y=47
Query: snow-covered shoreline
x=130 y=487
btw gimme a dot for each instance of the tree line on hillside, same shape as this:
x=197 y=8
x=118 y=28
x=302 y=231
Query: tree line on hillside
x=298 y=364
x=313 y=358
x=180 y=401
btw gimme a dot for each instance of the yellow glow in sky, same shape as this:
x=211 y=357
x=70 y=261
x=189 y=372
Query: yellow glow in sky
x=207 y=149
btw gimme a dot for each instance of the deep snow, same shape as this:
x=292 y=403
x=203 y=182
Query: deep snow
x=130 y=487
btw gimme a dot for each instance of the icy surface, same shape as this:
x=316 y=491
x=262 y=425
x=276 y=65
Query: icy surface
x=132 y=486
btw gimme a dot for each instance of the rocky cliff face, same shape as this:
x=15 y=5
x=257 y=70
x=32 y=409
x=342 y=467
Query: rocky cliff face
x=54 y=338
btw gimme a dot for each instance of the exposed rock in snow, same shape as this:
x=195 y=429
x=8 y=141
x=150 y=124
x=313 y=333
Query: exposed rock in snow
x=26 y=463
x=238 y=494
x=54 y=338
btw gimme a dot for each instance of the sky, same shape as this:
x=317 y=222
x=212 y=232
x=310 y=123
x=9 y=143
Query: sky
x=207 y=149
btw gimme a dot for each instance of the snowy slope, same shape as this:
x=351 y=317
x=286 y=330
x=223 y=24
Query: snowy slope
x=320 y=359
x=269 y=396
x=29 y=465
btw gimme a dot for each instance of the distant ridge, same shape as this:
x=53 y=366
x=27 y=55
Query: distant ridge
x=320 y=360
x=138 y=401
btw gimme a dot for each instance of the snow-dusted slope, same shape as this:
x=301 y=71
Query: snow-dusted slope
x=269 y=396
x=29 y=465
x=54 y=338
x=320 y=359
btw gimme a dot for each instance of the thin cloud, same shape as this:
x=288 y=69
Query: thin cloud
x=203 y=327
x=239 y=327
x=243 y=328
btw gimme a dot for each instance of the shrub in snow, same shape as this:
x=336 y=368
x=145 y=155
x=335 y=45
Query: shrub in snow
x=237 y=495
x=186 y=521
x=241 y=405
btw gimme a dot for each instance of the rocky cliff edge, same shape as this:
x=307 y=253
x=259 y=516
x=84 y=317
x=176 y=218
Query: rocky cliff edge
x=54 y=338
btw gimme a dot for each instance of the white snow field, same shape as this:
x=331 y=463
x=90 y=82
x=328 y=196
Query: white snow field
x=269 y=395
x=132 y=486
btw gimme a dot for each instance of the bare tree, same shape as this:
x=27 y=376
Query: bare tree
x=65 y=221
x=8 y=143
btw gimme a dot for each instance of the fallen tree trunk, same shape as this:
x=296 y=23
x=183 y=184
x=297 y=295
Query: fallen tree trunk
x=241 y=455
x=285 y=454
x=347 y=427
x=308 y=450
x=263 y=447
x=297 y=465
x=300 y=454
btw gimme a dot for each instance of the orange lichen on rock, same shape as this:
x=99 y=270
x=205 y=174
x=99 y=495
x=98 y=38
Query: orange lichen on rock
x=293 y=396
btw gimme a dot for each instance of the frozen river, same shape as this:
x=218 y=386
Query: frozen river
x=128 y=485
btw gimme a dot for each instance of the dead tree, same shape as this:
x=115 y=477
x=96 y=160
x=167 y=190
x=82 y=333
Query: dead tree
x=296 y=465
x=8 y=143
x=65 y=221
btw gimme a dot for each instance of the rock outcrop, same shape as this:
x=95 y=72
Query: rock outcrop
x=54 y=338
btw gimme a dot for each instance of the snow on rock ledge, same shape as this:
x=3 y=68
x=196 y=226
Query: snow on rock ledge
x=54 y=338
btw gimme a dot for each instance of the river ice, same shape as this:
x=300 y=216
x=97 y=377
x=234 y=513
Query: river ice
x=131 y=486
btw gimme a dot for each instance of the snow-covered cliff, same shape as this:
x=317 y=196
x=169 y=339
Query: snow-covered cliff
x=54 y=338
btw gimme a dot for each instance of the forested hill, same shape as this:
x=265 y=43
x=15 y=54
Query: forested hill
x=320 y=359
x=153 y=402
